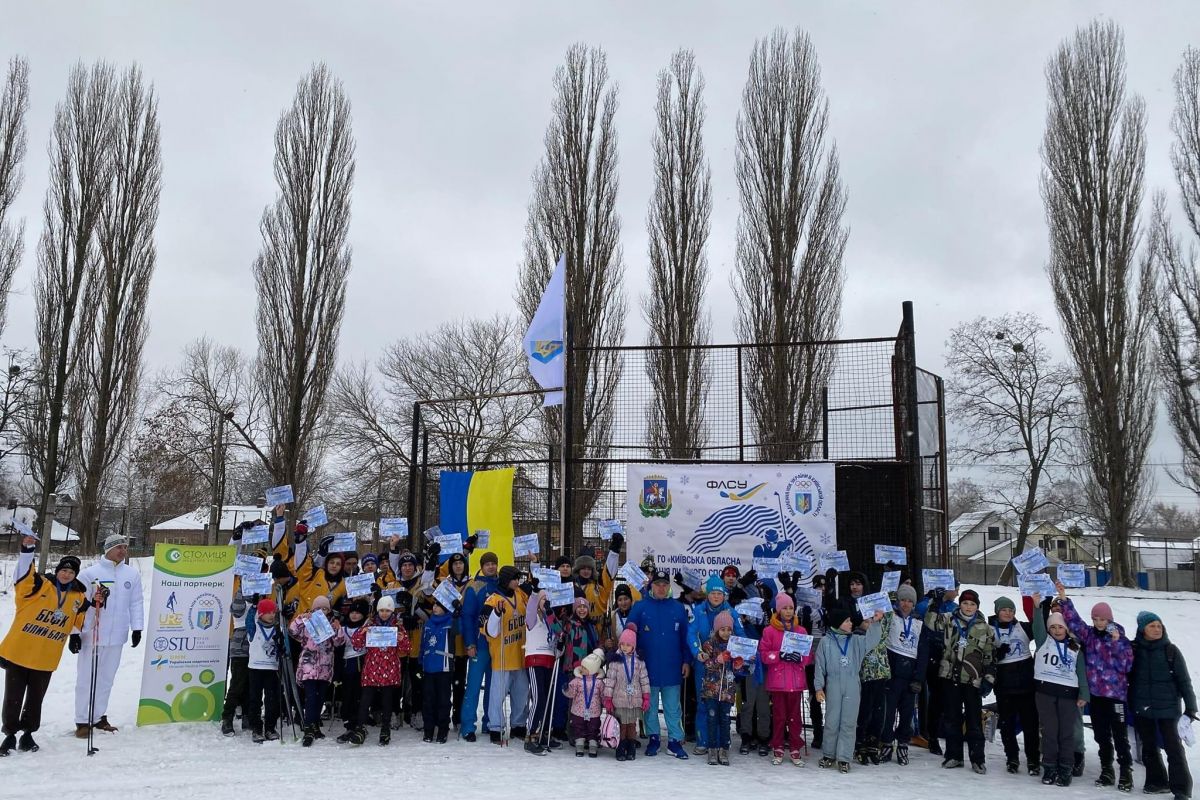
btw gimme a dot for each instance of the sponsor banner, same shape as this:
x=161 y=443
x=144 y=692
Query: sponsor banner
x=183 y=676
x=703 y=517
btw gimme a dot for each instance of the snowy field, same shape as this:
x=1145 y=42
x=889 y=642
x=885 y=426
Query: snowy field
x=195 y=761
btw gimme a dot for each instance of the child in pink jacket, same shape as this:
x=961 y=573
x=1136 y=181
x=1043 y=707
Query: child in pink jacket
x=315 y=669
x=785 y=679
x=586 y=691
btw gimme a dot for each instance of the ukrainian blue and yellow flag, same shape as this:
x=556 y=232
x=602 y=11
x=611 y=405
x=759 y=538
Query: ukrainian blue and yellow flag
x=473 y=501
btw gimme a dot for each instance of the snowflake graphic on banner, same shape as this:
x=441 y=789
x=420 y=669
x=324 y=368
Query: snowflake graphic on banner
x=685 y=479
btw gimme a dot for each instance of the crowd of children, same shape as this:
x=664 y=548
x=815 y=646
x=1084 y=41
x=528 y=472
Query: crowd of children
x=572 y=656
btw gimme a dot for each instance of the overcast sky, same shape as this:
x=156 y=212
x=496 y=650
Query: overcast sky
x=937 y=110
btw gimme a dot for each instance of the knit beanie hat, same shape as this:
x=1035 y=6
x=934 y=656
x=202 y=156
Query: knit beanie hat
x=508 y=573
x=562 y=561
x=1055 y=618
x=68 y=562
x=1144 y=618
x=488 y=558
x=628 y=637
x=783 y=601
x=906 y=592
x=266 y=606
x=623 y=590
x=593 y=662
x=969 y=596
x=1003 y=603
x=1102 y=609
x=361 y=606
x=114 y=540
x=834 y=618
x=385 y=603
x=279 y=569
x=369 y=558
x=723 y=620
x=320 y=602
x=714 y=584
x=582 y=602
x=731 y=569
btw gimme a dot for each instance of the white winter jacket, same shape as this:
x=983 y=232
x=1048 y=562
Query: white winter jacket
x=124 y=610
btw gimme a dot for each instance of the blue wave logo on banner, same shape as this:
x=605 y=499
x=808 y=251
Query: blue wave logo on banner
x=758 y=522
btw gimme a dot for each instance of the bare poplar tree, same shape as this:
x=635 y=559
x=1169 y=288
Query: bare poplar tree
x=788 y=275
x=14 y=103
x=1017 y=411
x=69 y=258
x=1177 y=308
x=300 y=274
x=1093 y=156
x=111 y=366
x=573 y=211
x=678 y=226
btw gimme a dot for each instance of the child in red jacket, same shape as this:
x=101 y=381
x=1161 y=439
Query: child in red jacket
x=381 y=669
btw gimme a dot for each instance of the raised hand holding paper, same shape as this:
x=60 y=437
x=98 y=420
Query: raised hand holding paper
x=318 y=627
x=279 y=495
x=482 y=539
x=446 y=595
x=797 y=562
x=256 y=535
x=450 y=543
x=1030 y=561
x=868 y=604
x=886 y=552
x=751 y=609
x=526 y=545
x=1071 y=576
x=247 y=565
x=767 y=567
x=316 y=516
x=938 y=579
x=608 y=527
x=256 y=584
x=344 y=543
x=1036 y=583
x=562 y=594
x=359 y=585
x=796 y=643
x=837 y=559
x=693 y=578
x=808 y=597
x=633 y=574
x=891 y=581
x=744 y=647
x=393 y=526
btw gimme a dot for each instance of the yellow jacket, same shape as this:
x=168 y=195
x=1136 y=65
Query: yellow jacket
x=505 y=630
x=43 y=622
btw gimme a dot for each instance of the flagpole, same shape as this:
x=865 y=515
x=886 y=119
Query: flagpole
x=564 y=433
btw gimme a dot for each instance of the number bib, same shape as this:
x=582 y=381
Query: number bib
x=902 y=639
x=1017 y=641
x=1051 y=666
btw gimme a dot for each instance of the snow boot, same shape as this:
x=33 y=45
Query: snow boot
x=256 y=736
x=518 y=732
x=796 y=759
x=844 y=767
x=428 y=737
x=652 y=746
x=676 y=748
x=82 y=730
x=495 y=737
x=1063 y=778
x=747 y=746
x=1107 y=776
x=1049 y=776
x=227 y=728
x=826 y=762
x=860 y=755
x=106 y=726
x=385 y=737
x=1012 y=767
x=1125 y=781
x=27 y=744
x=935 y=747
x=346 y=737
x=699 y=750
x=358 y=736
x=1156 y=789
x=6 y=747
x=952 y=763
x=979 y=768
x=621 y=749
x=532 y=746
x=764 y=750
x=777 y=758
x=885 y=754
x=902 y=755
x=712 y=758
x=1077 y=770
x=469 y=737
x=631 y=750
x=723 y=757
x=580 y=748
x=1035 y=769
x=593 y=748
x=270 y=735
x=308 y=737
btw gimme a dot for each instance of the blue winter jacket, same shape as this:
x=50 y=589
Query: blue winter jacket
x=474 y=595
x=662 y=631
x=437 y=644
x=702 y=616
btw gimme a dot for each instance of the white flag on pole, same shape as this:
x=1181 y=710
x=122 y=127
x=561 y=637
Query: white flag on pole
x=544 y=341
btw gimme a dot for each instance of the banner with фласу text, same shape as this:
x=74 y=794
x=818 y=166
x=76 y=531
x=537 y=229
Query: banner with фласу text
x=702 y=517
x=187 y=638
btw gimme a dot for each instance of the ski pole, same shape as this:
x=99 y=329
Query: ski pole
x=548 y=720
x=91 y=740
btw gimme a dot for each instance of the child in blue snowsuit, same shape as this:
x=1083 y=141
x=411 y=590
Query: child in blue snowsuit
x=839 y=660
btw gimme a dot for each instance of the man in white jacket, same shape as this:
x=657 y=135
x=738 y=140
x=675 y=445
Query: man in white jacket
x=122 y=611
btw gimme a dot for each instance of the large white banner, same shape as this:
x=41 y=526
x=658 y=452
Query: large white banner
x=702 y=517
x=183 y=678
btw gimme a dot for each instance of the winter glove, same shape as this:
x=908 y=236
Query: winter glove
x=785 y=581
x=75 y=643
x=939 y=596
x=29 y=548
x=608 y=705
x=456 y=606
x=1002 y=651
x=792 y=658
x=645 y=702
x=432 y=551
x=376 y=592
x=100 y=597
x=137 y=638
x=749 y=578
x=737 y=595
x=470 y=544
x=831 y=576
x=324 y=545
x=618 y=541
x=985 y=687
x=299 y=535
x=289 y=609
x=738 y=663
x=679 y=582
x=915 y=687
x=724 y=658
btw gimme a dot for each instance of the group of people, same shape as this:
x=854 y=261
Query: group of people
x=606 y=662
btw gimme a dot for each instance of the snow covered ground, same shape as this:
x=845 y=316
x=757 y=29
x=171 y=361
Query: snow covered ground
x=195 y=761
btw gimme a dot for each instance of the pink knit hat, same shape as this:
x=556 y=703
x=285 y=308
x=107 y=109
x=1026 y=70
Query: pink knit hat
x=783 y=601
x=628 y=637
x=1055 y=618
x=1102 y=609
x=723 y=620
